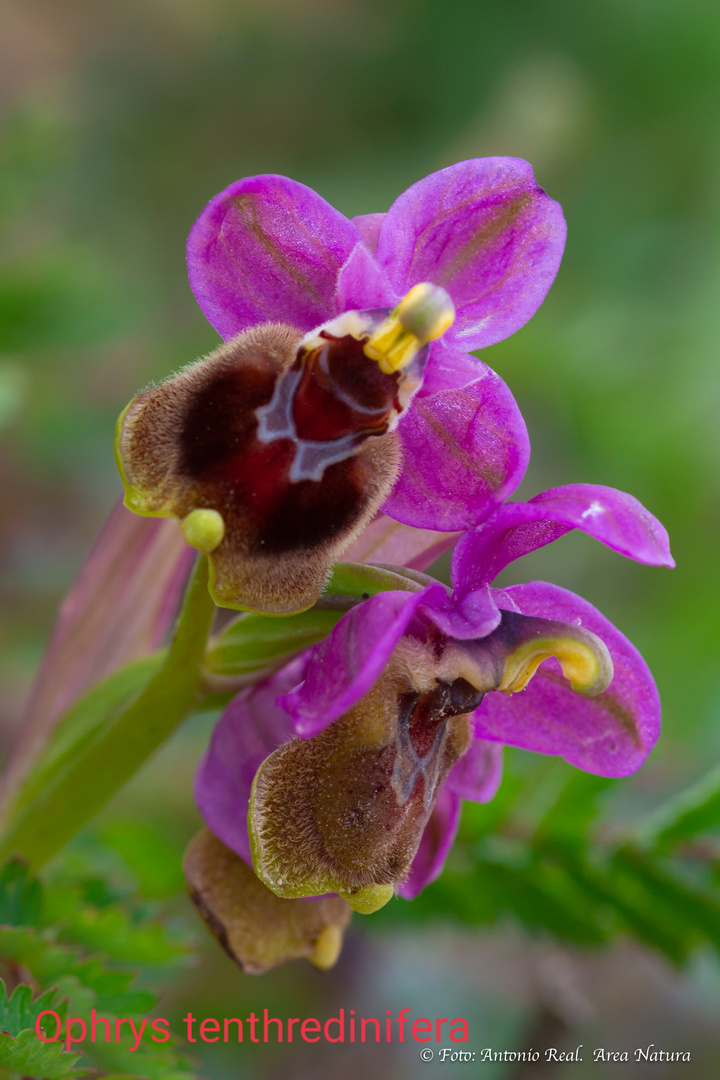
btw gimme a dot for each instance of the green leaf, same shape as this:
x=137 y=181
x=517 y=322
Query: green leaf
x=622 y=895
x=254 y=642
x=363 y=580
x=20 y=1011
x=501 y=879
x=695 y=810
x=30 y=1057
x=568 y=820
x=111 y=930
x=52 y=963
x=154 y=861
x=21 y=900
x=697 y=909
x=21 y=1051
x=99 y=707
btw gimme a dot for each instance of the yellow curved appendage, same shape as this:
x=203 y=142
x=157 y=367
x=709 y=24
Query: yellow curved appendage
x=585 y=662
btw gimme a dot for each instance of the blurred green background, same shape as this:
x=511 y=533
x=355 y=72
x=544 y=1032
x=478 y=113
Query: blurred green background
x=120 y=119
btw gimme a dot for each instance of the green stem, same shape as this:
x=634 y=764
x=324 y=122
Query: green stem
x=62 y=808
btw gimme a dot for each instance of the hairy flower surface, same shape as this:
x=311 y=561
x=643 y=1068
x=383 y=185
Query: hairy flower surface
x=344 y=382
x=343 y=773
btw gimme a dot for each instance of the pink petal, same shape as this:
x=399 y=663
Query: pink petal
x=361 y=284
x=611 y=516
x=464 y=450
x=369 y=225
x=268 y=249
x=343 y=667
x=385 y=540
x=487 y=233
x=477 y=775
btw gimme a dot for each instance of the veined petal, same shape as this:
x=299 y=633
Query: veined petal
x=611 y=516
x=487 y=233
x=610 y=734
x=477 y=775
x=343 y=667
x=437 y=839
x=464 y=450
x=249 y=730
x=268 y=249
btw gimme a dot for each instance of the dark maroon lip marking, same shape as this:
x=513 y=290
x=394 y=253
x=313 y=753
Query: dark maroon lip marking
x=328 y=403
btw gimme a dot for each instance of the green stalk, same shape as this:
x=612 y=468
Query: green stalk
x=63 y=807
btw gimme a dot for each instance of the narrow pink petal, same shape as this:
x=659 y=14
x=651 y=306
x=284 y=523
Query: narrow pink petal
x=610 y=516
x=611 y=734
x=437 y=839
x=342 y=668
x=487 y=233
x=268 y=249
x=477 y=775
x=119 y=608
x=464 y=450
x=250 y=729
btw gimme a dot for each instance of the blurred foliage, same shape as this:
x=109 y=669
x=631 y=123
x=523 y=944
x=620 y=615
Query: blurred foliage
x=560 y=867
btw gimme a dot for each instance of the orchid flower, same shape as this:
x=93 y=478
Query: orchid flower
x=343 y=385
x=343 y=772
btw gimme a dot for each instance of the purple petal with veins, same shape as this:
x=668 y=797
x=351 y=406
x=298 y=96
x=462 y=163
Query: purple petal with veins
x=268 y=249
x=361 y=284
x=487 y=233
x=610 y=516
x=464 y=450
x=385 y=540
x=343 y=667
x=477 y=775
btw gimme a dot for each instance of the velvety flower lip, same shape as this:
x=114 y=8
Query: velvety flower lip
x=619 y=727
